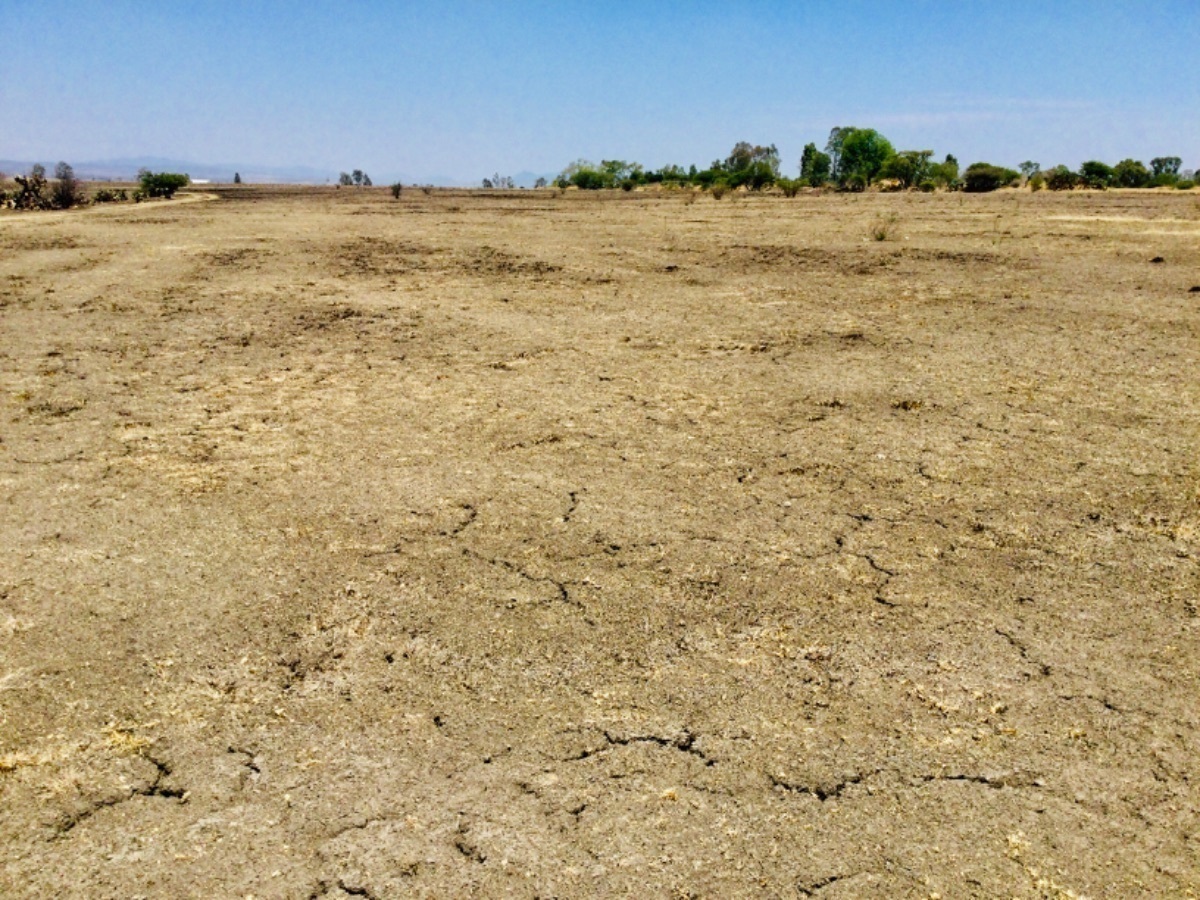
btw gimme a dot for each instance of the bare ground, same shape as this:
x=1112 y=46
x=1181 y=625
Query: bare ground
x=536 y=545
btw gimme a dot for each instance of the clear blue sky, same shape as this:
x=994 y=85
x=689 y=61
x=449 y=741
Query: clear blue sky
x=464 y=89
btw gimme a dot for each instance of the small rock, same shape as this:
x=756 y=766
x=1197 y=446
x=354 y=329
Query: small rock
x=1157 y=259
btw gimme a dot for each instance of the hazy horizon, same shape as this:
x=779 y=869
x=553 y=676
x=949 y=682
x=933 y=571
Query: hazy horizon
x=467 y=90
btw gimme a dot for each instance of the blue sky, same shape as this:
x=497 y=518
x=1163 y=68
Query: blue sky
x=468 y=88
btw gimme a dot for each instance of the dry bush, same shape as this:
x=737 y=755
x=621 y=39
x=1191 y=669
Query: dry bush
x=883 y=229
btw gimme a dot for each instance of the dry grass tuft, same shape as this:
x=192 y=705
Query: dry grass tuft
x=884 y=228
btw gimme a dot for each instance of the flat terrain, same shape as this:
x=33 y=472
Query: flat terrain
x=534 y=545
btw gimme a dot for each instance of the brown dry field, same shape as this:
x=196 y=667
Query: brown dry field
x=560 y=546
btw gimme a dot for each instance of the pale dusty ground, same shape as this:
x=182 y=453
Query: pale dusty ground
x=525 y=545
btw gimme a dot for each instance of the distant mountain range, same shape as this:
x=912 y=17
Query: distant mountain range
x=126 y=169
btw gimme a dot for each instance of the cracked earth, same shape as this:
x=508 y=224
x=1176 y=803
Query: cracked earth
x=548 y=545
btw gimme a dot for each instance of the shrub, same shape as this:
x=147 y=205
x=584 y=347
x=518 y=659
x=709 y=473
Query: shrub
x=627 y=184
x=719 y=189
x=789 y=186
x=396 y=189
x=1037 y=181
x=981 y=178
x=1165 y=179
x=161 y=184
x=31 y=190
x=108 y=195
x=1185 y=184
x=588 y=179
x=1060 y=178
x=856 y=183
x=927 y=186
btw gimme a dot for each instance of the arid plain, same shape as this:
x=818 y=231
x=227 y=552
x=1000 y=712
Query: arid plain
x=546 y=544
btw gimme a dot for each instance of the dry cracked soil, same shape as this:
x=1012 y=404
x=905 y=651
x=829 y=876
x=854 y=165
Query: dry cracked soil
x=556 y=545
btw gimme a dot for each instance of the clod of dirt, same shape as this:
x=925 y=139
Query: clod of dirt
x=908 y=405
x=1194 y=289
x=1157 y=259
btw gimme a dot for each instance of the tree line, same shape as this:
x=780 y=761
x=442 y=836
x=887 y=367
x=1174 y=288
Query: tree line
x=856 y=158
x=35 y=191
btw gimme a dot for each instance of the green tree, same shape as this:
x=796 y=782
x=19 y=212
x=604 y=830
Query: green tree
x=670 y=174
x=751 y=165
x=909 y=167
x=162 y=184
x=833 y=147
x=585 y=175
x=67 y=191
x=237 y=178
x=945 y=173
x=1028 y=169
x=815 y=166
x=357 y=176
x=1060 y=178
x=396 y=189
x=344 y=179
x=1130 y=173
x=1095 y=174
x=1165 y=165
x=863 y=153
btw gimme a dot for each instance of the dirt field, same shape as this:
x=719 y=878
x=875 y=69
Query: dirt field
x=559 y=546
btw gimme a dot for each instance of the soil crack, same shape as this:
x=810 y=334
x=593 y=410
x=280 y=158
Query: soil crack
x=810 y=889
x=561 y=587
x=685 y=742
x=155 y=788
x=1019 y=645
x=822 y=792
